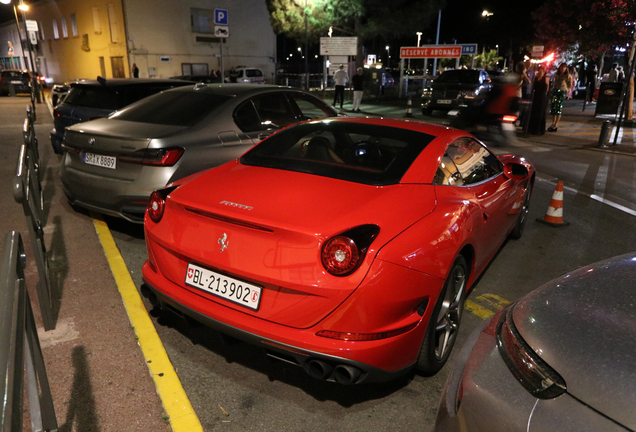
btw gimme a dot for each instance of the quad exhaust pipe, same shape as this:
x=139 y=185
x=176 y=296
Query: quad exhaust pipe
x=342 y=374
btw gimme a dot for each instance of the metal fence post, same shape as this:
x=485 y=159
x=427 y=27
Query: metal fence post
x=19 y=343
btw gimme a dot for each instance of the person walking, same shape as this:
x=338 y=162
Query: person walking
x=562 y=84
x=135 y=71
x=340 y=77
x=356 y=82
x=540 y=87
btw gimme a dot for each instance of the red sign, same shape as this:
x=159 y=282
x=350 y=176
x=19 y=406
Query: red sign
x=431 y=51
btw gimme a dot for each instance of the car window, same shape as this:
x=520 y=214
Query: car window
x=309 y=107
x=177 y=108
x=240 y=73
x=473 y=161
x=447 y=173
x=136 y=93
x=102 y=97
x=246 y=118
x=254 y=73
x=362 y=153
x=274 y=110
x=463 y=76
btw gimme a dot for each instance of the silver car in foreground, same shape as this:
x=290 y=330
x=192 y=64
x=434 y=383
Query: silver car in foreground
x=112 y=165
x=563 y=358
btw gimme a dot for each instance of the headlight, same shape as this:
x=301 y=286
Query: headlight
x=531 y=371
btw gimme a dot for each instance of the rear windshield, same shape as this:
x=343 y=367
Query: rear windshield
x=15 y=75
x=361 y=153
x=175 y=108
x=459 y=76
x=113 y=97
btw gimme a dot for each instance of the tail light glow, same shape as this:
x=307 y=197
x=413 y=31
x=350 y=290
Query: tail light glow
x=509 y=118
x=156 y=206
x=342 y=254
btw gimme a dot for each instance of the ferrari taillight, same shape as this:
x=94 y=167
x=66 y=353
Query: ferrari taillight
x=156 y=205
x=342 y=254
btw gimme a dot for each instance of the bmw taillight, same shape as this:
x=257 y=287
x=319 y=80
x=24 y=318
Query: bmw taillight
x=155 y=157
x=342 y=254
x=529 y=369
x=157 y=203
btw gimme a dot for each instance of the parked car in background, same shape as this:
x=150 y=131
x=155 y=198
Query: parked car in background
x=455 y=89
x=559 y=359
x=207 y=79
x=245 y=75
x=20 y=80
x=91 y=99
x=112 y=165
x=59 y=92
x=345 y=246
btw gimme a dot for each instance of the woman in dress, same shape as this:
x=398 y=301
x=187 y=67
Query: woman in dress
x=540 y=87
x=562 y=85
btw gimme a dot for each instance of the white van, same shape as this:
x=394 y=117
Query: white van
x=246 y=75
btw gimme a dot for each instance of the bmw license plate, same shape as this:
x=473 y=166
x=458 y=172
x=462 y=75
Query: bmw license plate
x=100 y=160
x=444 y=101
x=16 y=82
x=234 y=290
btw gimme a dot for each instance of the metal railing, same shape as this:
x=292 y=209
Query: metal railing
x=27 y=191
x=20 y=347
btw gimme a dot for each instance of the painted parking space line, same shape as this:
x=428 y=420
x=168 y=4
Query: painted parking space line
x=486 y=305
x=173 y=397
x=553 y=181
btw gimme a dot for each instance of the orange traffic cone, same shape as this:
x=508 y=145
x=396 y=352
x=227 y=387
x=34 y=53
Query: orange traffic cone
x=554 y=215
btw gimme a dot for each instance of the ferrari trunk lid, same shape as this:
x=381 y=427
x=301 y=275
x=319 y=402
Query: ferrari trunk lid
x=267 y=227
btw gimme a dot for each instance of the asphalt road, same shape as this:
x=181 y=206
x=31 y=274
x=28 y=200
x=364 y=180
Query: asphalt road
x=263 y=395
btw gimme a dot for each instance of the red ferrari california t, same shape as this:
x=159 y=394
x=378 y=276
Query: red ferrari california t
x=346 y=246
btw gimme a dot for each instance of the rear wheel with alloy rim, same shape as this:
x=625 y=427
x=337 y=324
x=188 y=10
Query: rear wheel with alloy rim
x=444 y=324
x=517 y=231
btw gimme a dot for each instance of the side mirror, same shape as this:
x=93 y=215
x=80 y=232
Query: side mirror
x=515 y=171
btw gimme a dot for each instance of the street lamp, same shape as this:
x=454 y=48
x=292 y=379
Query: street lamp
x=486 y=14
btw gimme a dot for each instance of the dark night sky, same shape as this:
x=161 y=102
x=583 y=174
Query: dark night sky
x=461 y=20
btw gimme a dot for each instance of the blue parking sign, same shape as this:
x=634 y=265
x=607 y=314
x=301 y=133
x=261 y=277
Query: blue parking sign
x=220 y=17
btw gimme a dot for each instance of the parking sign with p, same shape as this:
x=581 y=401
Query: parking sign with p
x=220 y=17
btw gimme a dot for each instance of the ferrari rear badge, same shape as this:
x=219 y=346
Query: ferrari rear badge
x=223 y=242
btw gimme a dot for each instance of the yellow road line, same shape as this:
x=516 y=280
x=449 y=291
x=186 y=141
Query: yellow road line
x=172 y=395
x=478 y=310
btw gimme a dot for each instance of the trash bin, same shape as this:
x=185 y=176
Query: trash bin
x=609 y=98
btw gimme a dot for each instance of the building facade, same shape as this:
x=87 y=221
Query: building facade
x=164 y=38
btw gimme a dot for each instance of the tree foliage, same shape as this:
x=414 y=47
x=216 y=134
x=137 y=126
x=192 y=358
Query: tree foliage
x=363 y=18
x=596 y=25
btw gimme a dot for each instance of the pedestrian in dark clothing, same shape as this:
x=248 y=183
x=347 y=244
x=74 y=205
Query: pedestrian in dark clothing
x=591 y=74
x=135 y=71
x=540 y=87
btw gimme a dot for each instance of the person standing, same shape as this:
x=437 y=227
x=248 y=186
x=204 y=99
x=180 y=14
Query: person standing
x=340 y=77
x=562 y=84
x=135 y=70
x=591 y=75
x=356 y=82
x=613 y=73
x=540 y=87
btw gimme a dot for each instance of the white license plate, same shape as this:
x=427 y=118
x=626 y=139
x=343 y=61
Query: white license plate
x=231 y=289
x=444 y=101
x=100 y=160
x=16 y=82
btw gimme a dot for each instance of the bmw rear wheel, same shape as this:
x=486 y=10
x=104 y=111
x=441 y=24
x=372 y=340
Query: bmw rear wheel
x=444 y=324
